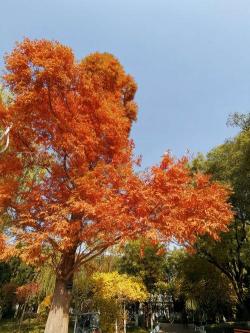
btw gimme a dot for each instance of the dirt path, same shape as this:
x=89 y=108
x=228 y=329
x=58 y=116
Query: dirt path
x=175 y=328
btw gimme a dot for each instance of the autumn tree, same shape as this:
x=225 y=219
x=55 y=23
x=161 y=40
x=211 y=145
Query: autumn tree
x=68 y=187
x=146 y=260
x=118 y=289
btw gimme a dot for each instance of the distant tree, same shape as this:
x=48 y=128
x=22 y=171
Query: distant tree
x=239 y=120
x=13 y=275
x=230 y=163
x=145 y=260
x=200 y=283
x=119 y=289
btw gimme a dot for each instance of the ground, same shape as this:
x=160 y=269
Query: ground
x=166 y=328
x=136 y=330
x=7 y=326
x=32 y=326
x=176 y=328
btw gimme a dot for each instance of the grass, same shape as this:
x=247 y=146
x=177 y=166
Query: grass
x=10 y=326
x=136 y=330
x=28 y=326
x=33 y=326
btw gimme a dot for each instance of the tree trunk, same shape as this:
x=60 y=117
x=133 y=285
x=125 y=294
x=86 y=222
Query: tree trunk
x=124 y=318
x=137 y=308
x=58 y=319
x=136 y=319
x=116 y=326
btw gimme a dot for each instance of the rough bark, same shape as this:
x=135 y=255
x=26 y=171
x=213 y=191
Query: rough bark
x=58 y=319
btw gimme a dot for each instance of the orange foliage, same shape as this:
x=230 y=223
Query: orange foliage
x=26 y=291
x=67 y=181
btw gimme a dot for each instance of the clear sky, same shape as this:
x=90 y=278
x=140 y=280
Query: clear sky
x=190 y=58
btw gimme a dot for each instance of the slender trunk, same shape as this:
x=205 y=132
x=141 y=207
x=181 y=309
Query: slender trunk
x=116 y=326
x=137 y=307
x=152 y=321
x=58 y=319
x=124 y=319
x=137 y=319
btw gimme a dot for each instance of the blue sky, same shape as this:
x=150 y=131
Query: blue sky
x=190 y=58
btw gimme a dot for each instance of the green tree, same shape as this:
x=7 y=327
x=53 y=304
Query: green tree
x=239 y=120
x=230 y=163
x=13 y=274
x=200 y=283
x=145 y=260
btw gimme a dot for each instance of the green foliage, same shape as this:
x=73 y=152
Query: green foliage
x=230 y=163
x=226 y=327
x=16 y=272
x=172 y=266
x=46 y=281
x=206 y=286
x=5 y=96
x=110 y=313
x=13 y=274
x=199 y=285
x=144 y=260
x=21 y=273
x=136 y=330
x=28 y=326
x=7 y=298
x=5 y=273
x=241 y=120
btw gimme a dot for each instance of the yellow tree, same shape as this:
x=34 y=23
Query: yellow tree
x=120 y=288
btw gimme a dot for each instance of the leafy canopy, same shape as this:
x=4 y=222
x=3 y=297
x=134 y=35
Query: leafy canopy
x=119 y=286
x=68 y=189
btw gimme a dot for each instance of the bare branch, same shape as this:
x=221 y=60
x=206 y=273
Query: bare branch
x=6 y=134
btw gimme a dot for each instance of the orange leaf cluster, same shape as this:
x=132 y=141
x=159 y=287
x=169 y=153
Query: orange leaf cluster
x=26 y=291
x=67 y=181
